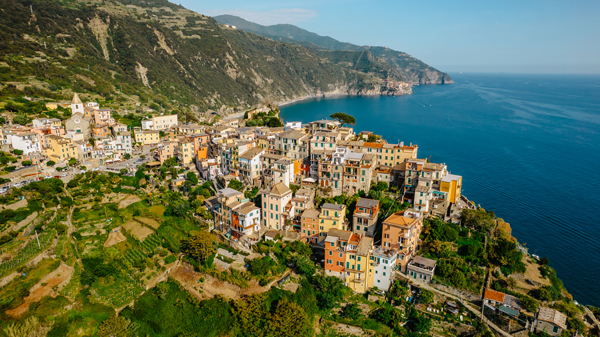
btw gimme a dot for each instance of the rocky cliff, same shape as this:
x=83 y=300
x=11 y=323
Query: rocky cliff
x=134 y=51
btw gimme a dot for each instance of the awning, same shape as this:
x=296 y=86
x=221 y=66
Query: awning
x=508 y=311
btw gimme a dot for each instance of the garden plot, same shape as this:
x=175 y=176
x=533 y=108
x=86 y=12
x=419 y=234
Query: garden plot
x=115 y=236
x=29 y=251
x=148 y=222
x=137 y=230
x=58 y=278
x=118 y=291
x=128 y=200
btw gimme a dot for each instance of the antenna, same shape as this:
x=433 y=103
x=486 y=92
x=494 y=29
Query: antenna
x=31 y=9
x=38 y=239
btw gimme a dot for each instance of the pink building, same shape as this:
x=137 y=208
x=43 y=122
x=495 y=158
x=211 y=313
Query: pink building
x=276 y=206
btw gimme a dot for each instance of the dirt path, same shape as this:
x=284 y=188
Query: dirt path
x=50 y=284
x=186 y=276
x=7 y=279
x=462 y=301
x=128 y=200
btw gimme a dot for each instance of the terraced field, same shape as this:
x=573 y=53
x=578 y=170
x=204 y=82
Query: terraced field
x=31 y=250
x=151 y=243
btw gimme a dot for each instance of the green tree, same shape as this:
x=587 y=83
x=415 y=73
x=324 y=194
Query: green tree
x=236 y=185
x=123 y=171
x=251 y=313
x=127 y=156
x=18 y=152
x=72 y=161
x=116 y=326
x=398 y=291
x=352 y=311
x=304 y=265
x=26 y=162
x=200 y=246
x=50 y=163
x=191 y=176
x=289 y=319
x=427 y=296
x=343 y=118
x=511 y=282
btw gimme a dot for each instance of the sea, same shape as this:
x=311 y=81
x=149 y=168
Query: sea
x=527 y=146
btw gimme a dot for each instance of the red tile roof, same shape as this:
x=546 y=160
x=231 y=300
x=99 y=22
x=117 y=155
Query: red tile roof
x=494 y=295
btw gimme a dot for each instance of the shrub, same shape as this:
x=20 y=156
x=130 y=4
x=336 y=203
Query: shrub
x=170 y=259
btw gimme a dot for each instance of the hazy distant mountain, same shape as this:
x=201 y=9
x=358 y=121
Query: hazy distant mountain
x=406 y=67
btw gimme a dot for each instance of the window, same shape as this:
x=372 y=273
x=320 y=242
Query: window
x=357 y=228
x=383 y=273
x=348 y=266
x=330 y=253
x=359 y=260
x=341 y=254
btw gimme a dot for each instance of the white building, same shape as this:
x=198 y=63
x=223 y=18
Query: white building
x=293 y=125
x=160 y=122
x=250 y=164
x=92 y=105
x=77 y=105
x=28 y=142
x=381 y=266
x=123 y=142
x=248 y=220
x=283 y=172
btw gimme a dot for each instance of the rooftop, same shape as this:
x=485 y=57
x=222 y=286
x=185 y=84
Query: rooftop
x=494 y=295
x=423 y=262
x=451 y=177
x=553 y=316
x=250 y=154
x=341 y=234
x=311 y=213
x=399 y=219
x=364 y=202
x=365 y=245
x=335 y=207
x=229 y=192
x=280 y=189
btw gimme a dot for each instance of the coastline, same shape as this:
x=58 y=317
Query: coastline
x=336 y=94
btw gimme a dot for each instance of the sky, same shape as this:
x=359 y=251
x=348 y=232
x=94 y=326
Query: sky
x=527 y=36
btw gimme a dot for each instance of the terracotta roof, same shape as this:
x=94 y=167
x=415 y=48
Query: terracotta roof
x=343 y=235
x=494 y=295
x=378 y=145
x=365 y=246
x=400 y=220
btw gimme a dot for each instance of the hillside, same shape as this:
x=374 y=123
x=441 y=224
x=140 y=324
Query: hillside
x=406 y=67
x=134 y=52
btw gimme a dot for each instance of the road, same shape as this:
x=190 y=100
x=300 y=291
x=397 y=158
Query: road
x=67 y=175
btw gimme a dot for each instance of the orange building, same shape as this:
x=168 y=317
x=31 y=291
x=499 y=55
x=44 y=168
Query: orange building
x=201 y=145
x=401 y=231
x=335 y=252
x=309 y=231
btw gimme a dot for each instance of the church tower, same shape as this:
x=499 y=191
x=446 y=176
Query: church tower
x=76 y=105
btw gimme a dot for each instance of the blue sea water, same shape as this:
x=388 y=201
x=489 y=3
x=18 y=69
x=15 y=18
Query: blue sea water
x=527 y=146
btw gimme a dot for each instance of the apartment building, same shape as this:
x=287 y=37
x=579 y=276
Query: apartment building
x=358 y=172
x=185 y=151
x=323 y=125
x=382 y=263
x=283 y=172
x=451 y=184
x=100 y=130
x=322 y=140
x=303 y=199
x=245 y=220
x=358 y=254
x=364 y=220
x=160 y=122
x=166 y=150
x=276 y=206
x=123 y=142
x=250 y=165
x=309 y=231
x=335 y=243
x=292 y=144
x=146 y=137
x=60 y=149
x=401 y=231
x=28 y=142
x=332 y=216
x=103 y=116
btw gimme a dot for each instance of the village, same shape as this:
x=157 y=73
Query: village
x=366 y=207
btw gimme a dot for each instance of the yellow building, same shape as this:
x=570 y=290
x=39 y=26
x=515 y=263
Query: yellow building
x=332 y=216
x=146 y=137
x=52 y=105
x=451 y=184
x=60 y=149
x=186 y=151
x=262 y=143
x=358 y=255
